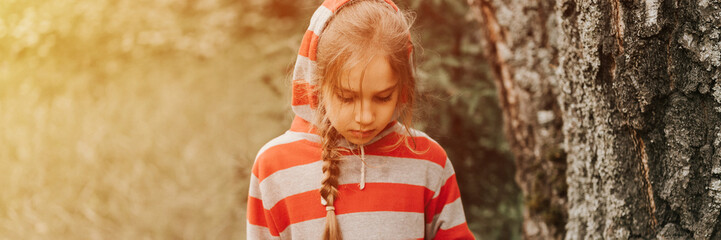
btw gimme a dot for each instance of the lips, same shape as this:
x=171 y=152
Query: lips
x=361 y=134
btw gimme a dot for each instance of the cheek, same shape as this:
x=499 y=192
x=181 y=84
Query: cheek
x=336 y=113
x=385 y=112
x=344 y=115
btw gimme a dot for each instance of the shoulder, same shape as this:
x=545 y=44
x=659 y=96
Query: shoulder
x=429 y=149
x=284 y=141
x=285 y=151
x=418 y=144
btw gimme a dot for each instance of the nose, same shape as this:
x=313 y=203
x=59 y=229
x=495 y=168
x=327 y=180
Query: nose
x=365 y=115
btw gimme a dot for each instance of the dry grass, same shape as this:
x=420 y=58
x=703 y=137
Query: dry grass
x=139 y=143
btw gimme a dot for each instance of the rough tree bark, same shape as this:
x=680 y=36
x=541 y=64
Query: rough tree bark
x=624 y=97
x=520 y=40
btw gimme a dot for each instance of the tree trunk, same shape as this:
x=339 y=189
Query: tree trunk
x=622 y=101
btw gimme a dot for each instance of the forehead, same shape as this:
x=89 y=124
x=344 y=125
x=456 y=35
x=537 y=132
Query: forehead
x=374 y=76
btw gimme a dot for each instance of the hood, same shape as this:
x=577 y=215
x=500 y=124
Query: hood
x=303 y=101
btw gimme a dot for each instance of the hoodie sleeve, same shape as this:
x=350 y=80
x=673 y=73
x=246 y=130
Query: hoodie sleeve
x=259 y=221
x=449 y=220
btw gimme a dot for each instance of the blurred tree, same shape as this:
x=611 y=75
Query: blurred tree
x=627 y=96
x=523 y=60
x=460 y=109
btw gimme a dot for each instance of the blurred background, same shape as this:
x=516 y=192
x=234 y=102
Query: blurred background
x=127 y=119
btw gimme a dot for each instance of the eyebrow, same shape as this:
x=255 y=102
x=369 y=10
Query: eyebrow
x=381 y=91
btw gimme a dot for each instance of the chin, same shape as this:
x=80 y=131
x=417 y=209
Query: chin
x=358 y=141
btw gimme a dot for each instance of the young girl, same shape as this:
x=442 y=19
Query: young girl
x=350 y=167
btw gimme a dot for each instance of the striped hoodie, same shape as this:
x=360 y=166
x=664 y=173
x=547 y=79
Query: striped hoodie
x=403 y=193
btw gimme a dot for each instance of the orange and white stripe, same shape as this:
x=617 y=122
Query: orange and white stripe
x=408 y=194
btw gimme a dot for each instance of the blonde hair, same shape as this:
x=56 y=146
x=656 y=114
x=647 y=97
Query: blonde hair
x=359 y=31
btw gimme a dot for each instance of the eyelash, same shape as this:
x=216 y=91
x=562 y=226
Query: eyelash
x=380 y=99
x=344 y=99
x=385 y=99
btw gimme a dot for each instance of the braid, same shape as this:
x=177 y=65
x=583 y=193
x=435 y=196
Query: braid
x=329 y=183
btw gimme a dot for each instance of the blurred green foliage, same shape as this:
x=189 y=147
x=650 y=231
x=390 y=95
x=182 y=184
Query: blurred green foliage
x=461 y=111
x=125 y=112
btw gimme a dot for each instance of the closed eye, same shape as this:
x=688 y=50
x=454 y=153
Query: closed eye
x=344 y=99
x=385 y=99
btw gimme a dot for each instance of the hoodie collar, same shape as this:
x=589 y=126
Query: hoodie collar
x=301 y=125
x=307 y=131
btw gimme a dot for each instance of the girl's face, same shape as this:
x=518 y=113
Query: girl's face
x=363 y=106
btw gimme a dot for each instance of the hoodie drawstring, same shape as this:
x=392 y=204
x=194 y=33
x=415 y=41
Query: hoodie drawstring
x=363 y=168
